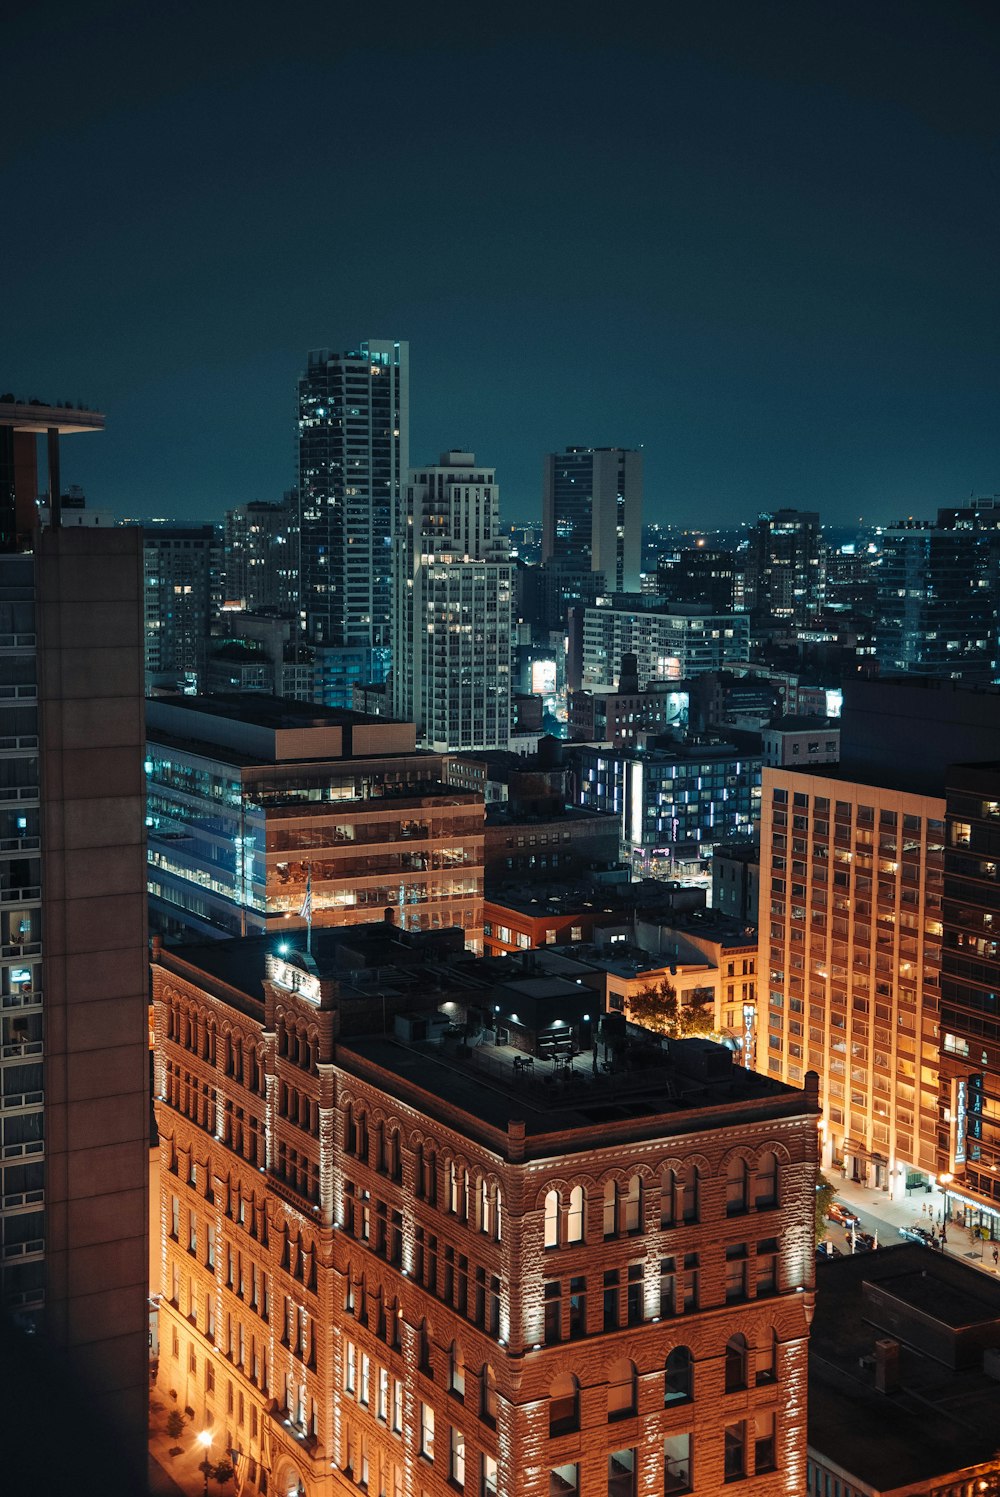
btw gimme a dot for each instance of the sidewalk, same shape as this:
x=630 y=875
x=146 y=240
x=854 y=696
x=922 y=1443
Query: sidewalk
x=178 y=1475
x=876 y=1203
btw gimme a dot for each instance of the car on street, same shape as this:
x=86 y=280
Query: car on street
x=917 y=1234
x=842 y=1214
x=828 y=1250
x=862 y=1242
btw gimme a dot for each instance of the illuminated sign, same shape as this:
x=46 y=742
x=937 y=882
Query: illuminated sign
x=959 y=1109
x=287 y=975
x=749 y=1016
x=543 y=677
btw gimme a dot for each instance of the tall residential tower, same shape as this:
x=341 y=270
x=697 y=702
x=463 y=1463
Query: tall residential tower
x=353 y=459
x=452 y=608
x=592 y=507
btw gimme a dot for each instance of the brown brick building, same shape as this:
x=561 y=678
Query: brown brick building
x=405 y=1267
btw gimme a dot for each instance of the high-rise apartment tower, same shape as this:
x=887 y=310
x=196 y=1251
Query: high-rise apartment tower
x=592 y=507
x=452 y=608
x=353 y=461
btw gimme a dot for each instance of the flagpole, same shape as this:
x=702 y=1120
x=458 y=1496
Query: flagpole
x=306 y=912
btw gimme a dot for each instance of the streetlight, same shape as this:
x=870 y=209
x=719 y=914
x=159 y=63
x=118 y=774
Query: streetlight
x=945 y=1181
x=204 y=1438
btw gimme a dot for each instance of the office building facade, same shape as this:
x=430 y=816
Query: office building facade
x=851 y=883
x=970 y=993
x=669 y=643
x=182 y=598
x=251 y=801
x=936 y=600
x=452 y=608
x=261 y=557
x=787 y=567
x=386 y=1269
x=592 y=508
x=674 y=803
x=353 y=461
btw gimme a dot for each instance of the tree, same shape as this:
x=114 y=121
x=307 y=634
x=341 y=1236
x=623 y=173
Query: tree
x=222 y=1473
x=175 y=1423
x=655 y=1008
x=825 y=1193
x=659 y=1009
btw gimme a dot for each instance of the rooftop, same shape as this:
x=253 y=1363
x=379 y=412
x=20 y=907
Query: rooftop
x=39 y=415
x=663 y=1088
x=940 y=1419
x=654 y=1087
x=270 y=712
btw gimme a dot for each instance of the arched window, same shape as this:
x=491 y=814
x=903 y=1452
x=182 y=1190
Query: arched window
x=552 y=1219
x=577 y=1214
x=350 y=1131
x=621 y=1389
x=488 y=1396
x=668 y=1197
x=631 y=1206
x=691 y=1188
x=456 y=1371
x=736 y=1363
x=610 y=1209
x=678 y=1385
x=767 y=1180
x=424 y=1349
x=564 y=1405
x=737 y=1186
x=766 y=1368
x=395 y=1157
x=497 y=1206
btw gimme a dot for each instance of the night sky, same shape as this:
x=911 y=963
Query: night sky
x=761 y=240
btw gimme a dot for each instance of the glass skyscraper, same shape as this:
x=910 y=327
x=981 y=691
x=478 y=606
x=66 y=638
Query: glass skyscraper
x=353 y=459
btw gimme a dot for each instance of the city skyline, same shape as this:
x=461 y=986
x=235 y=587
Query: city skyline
x=788 y=301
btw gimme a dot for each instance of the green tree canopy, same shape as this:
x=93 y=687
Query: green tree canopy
x=825 y=1193
x=659 y=1009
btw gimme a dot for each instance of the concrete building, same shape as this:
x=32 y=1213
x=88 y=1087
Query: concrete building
x=249 y=799
x=560 y=844
x=262 y=653
x=736 y=881
x=74 y=1062
x=970 y=995
x=787 y=566
x=626 y=716
x=354 y=454
x=261 y=557
x=730 y=946
x=182 y=598
x=669 y=643
x=676 y=801
x=392 y=1263
x=904 y=1399
x=701 y=575
x=592 y=510
x=936 y=602
x=452 y=608
x=798 y=742
x=851 y=945
x=524 y=918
